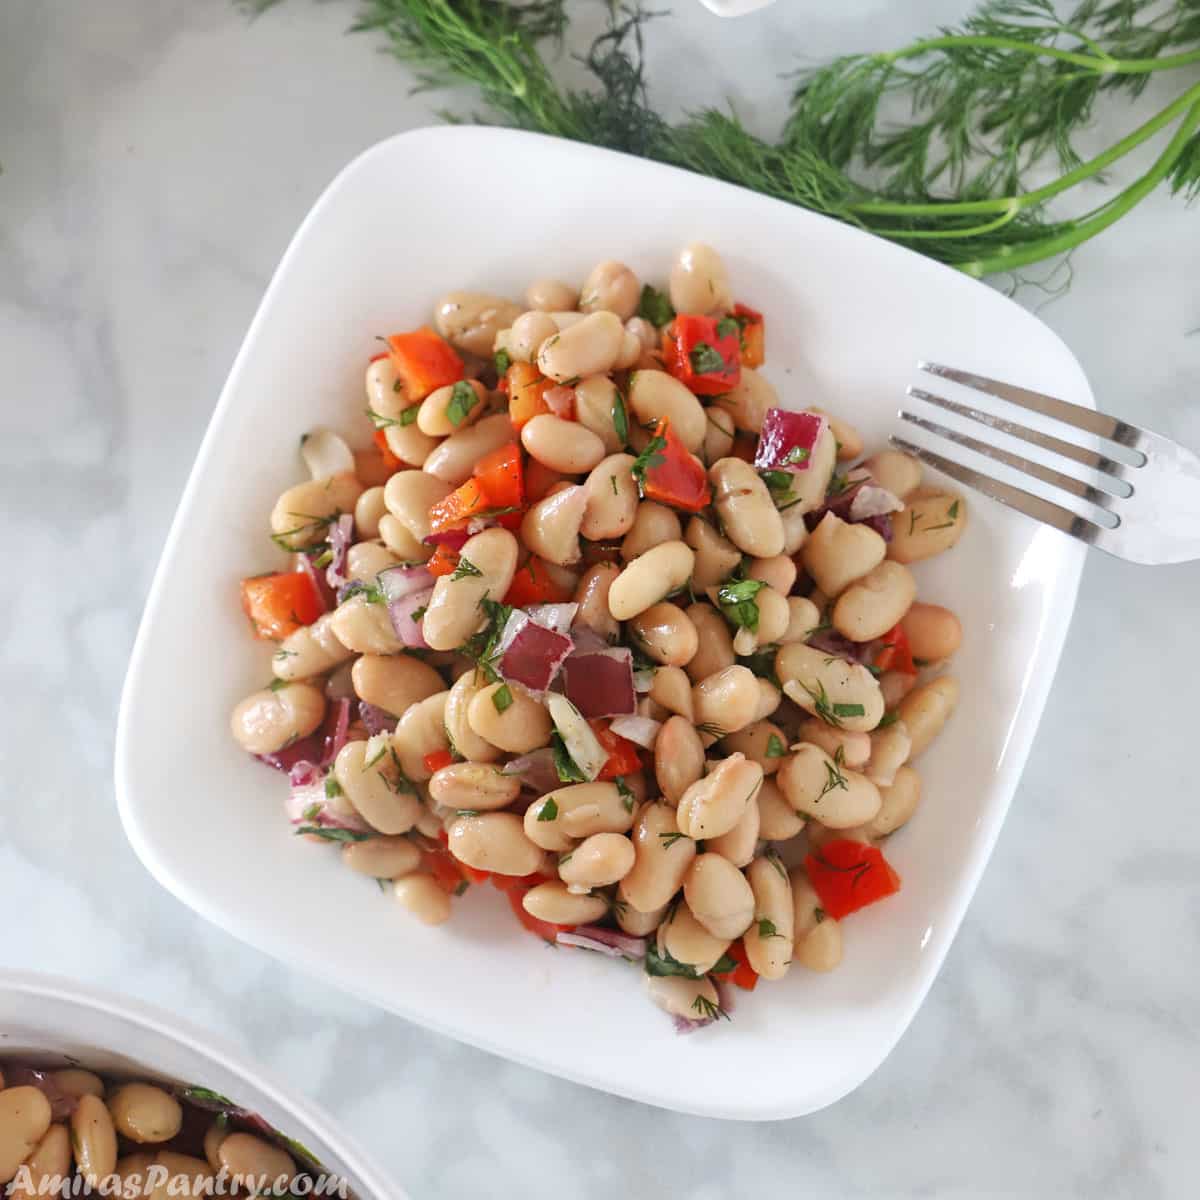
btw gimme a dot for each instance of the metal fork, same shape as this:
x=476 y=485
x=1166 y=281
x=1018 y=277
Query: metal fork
x=1145 y=503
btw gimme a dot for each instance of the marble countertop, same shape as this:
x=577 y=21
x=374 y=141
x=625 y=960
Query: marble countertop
x=157 y=158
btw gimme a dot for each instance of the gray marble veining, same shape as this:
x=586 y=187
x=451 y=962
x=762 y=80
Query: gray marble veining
x=157 y=158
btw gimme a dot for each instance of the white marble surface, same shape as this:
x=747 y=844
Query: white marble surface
x=157 y=155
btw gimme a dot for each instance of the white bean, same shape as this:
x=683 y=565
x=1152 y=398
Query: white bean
x=778 y=572
x=651 y=577
x=270 y=719
x=718 y=895
x=932 y=521
x=455 y=610
x=564 y=446
x=726 y=702
x=519 y=727
x=394 y=682
x=470 y=320
x=686 y=940
x=93 y=1138
x=762 y=742
x=872 y=605
x=748 y=514
x=598 y=861
x=423 y=898
x=926 y=709
x=666 y=634
x=715 y=651
x=553 y=901
x=896 y=471
x=458 y=726
x=663 y=856
x=678 y=758
x=612 y=499
x=803 y=618
x=364 y=627
x=596 y=398
x=477 y=786
x=453 y=407
x=719 y=429
x=382 y=857
x=550 y=295
x=692 y=999
x=747 y=402
x=302 y=515
x=899 y=802
x=841 y=693
x=494 y=841
x=24 y=1120
x=809 y=487
x=699 y=282
x=739 y=844
x=817 y=936
x=421 y=731
x=592 y=597
x=367 y=774
x=891 y=748
x=653 y=524
x=934 y=633
x=673 y=690
x=768 y=940
x=145 y=1113
x=310 y=650
x=558 y=819
x=409 y=495
x=551 y=526
x=816 y=785
x=589 y=347
x=610 y=287
x=656 y=396
x=778 y=820
x=714 y=805
x=453 y=460
x=837 y=553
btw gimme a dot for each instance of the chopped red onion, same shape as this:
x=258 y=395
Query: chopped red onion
x=533 y=656
x=787 y=439
x=306 y=563
x=870 y=500
x=600 y=684
x=685 y=1025
x=626 y=944
x=881 y=524
x=641 y=730
x=404 y=620
x=320 y=747
x=586 y=943
x=587 y=640
x=535 y=770
x=831 y=642
x=307 y=804
x=561 y=402
x=517 y=620
x=452 y=539
x=839 y=504
x=375 y=718
x=397 y=582
x=643 y=681
x=341 y=534
x=553 y=616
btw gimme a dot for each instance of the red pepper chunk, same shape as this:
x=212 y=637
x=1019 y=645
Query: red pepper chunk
x=437 y=760
x=623 y=758
x=674 y=475
x=848 y=876
x=390 y=460
x=445 y=869
x=443 y=562
x=743 y=975
x=424 y=362
x=896 y=654
x=753 y=327
x=532 y=585
x=501 y=477
x=280 y=604
x=704 y=353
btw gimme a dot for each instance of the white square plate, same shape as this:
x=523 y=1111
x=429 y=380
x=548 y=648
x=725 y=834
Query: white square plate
x=847 y=316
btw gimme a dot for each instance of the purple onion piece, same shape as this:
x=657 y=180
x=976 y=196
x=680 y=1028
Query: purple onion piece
x=786 y=440
x=535 y=770
x=376 y=719
x=341 y=534
x=534 y=656
x=307 y=564
x=600 y=684
x=627 y=944
x=452 y=539
x=405 y=622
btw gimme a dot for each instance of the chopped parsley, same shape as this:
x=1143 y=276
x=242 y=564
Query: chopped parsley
x=706 y=359
x=502 y=361
x=660 y=962
x=564 y=765
x=738 y=603
x=465 y=569
x=408 y=416
x=463 y=398
x=549 y=810
x=775 y=746
x=797 y=454
x=888 y=719
x=669 y=839
x=626 y=794
x=779 y=484
x=766 y=928
x=332 y=833
x=332 y=787
x=502 y=697
x=620 y=418
x=647 y=460
x=849 y=710
x=654 y=306
x=727 y=327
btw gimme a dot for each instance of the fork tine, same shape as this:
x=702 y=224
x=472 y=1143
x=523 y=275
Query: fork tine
x=1086 y=458
x=1032 y=506
x=1046 y=474
x=1050 y=406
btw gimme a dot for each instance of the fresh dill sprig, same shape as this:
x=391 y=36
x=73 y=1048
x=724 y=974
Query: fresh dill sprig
x=1008 y=91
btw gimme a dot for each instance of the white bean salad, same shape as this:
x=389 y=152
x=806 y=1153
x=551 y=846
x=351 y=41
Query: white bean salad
x=597 y=618
x=66 y=1130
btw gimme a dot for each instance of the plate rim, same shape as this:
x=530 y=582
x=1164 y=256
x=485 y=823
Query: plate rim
x=1029 y=708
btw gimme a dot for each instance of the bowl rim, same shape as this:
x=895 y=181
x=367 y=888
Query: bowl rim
x=1027 y=712
x=204 y=1044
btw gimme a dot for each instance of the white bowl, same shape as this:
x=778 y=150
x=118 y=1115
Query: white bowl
x=44 y=1019
x=847 y=317
x=735 y=8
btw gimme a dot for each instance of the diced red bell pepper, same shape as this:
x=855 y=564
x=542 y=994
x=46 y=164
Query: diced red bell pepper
x=543 y=929
x=502 y=477
x=443 y=562
x=743 y=975
x=424 y=362
x=539 y=479
x=390 y=460
x=473 y=874
x=445 y=869
x=437 y=760
x=674 y=475
x=526 y=393
x=753 y=327
x=849 y=875
x=896 y=654
x=532 y=585
x=506 y=883
x=623 y=757
x=458 y=508
x=704 y=353
x=280 y=604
